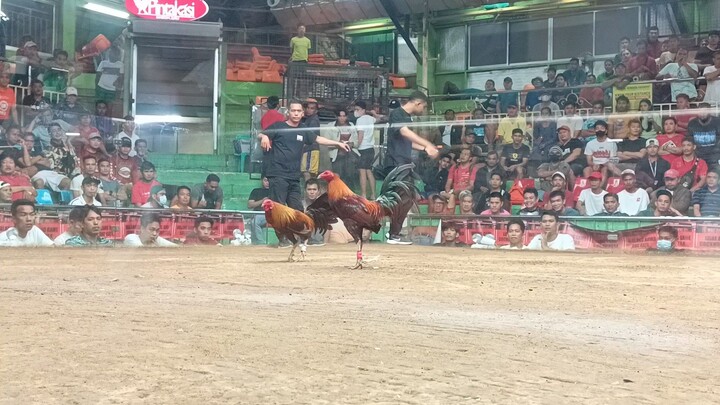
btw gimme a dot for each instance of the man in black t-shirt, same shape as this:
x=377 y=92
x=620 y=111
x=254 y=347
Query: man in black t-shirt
x=285 y=141
x=515 y=157
x=705 y=130
x=401 y=140
x=572 y=150
x=632 y=148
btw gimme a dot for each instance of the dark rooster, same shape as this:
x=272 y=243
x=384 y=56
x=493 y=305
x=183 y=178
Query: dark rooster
x=298 y=226
x=397 y=195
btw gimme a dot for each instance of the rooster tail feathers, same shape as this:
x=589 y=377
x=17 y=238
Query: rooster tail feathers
x=402 y=173
x=322 y=214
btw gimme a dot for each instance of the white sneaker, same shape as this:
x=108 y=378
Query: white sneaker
x=396 y=240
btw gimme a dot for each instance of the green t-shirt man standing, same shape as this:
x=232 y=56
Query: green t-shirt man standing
x=300 y=46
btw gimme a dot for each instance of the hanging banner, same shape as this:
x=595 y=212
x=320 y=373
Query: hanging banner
x=634 y=93
x=172 y=10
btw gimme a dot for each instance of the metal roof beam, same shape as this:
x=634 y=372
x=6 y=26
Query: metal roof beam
x=405 y=33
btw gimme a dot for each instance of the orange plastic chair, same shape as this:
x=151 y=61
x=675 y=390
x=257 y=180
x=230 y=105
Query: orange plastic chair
x=257 y=57
x=398 y=82
x=246 y=76
x=271 y=77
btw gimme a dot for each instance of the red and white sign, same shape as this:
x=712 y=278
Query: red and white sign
x=173 y=10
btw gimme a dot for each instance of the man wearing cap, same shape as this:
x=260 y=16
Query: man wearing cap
x=681 y=196
x=94 y=147
x=515 y=156
x=5 y=193
x=158 y=198
x=559 y=183
x=125 y=168
x=571 y=120
x=24 y=232
x=70 y=109
x=650 y=170
x=128 y=131
x=143 y=187
x=555 y=164
x=663 y=207
x=572 y=150
x=601 y=152
x=590 y=202
x=632 y=199
x=510 y=122
x=90 y=186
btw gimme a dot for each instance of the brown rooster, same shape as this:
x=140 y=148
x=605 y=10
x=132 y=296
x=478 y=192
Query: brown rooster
x=397 y=195
x=298 y=226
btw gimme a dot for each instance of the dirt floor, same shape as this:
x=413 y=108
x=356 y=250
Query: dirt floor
x=424 y=326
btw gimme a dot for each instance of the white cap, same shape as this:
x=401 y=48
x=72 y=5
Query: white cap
x=3 y=184
x=627 y=171
x=71 y=91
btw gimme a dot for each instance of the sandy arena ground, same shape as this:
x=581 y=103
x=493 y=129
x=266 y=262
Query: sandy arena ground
x=427 y=326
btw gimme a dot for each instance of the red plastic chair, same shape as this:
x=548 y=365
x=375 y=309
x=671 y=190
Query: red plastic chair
x=614 y=185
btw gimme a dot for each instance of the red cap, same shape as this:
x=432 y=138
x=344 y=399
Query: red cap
x=595 y=175
x=672 y=173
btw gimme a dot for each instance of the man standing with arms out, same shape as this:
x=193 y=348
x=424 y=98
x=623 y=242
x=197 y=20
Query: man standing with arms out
x=24 y=233
x=285 y=142
x=590 y=201
x=690 y=167
x=400 y=143
x=8 y=111
x=705 y=130
x=706 y=201
x=300 y=46
x=681 y=196
x=632 y=199
x=365 y=126
x=510 y=122
x=208 y=195
x=515 y=157
x=149 y=233
x=90 y=229
x=551 y=238
x=712 y=74
x=257 y=198
x=310 y=163
x=89 y=192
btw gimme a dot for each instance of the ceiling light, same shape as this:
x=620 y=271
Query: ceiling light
x=99 y=8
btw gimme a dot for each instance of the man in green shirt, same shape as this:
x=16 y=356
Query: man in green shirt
x=300 y=46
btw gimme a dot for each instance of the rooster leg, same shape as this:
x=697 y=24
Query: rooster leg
x=303 y=250
x=359 y=263
x=291 y=258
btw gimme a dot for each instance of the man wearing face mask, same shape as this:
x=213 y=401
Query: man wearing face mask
x=158 y=198
x=667 y=239
x=546 y=101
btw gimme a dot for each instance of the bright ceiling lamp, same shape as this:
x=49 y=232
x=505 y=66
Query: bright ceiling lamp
x=99 y=8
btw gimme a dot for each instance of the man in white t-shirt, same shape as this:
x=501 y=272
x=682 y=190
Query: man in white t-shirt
x=90 y=186
x=365 y=127
x=601 y=153
x=680 y=69
x=551 y=238
x=149 y=233
x=633 y=199
x=572 y=121
x=24 y=233
x=109 y=76
x=89 y=169
x=712 y=74
x=75 y=220
x=128 y=131
x=590 y=202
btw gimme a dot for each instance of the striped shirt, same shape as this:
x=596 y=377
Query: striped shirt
x=709 y=201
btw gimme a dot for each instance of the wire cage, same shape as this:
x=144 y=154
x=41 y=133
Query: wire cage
x=335 y=87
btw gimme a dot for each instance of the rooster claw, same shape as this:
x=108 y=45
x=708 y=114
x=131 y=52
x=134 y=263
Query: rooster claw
x=358 y=266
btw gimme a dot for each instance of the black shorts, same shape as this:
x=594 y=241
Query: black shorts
x=367 y=156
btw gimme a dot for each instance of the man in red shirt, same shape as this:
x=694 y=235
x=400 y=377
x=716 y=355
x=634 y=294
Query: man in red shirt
x=7 y=100
x=202 y=233
x=94 y=147
x=654 y=46
x=141 y=189
x=692 y=169
x=461 y=177
x=20 y=184
x=683 y=113
x=670 y=142
x=272 y=115
x=125 y=168
x=642 y=65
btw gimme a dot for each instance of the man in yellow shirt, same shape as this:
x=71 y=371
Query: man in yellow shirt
x=512 y=121
x=300 y=46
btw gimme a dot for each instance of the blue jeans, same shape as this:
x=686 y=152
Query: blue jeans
x=258 y=230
